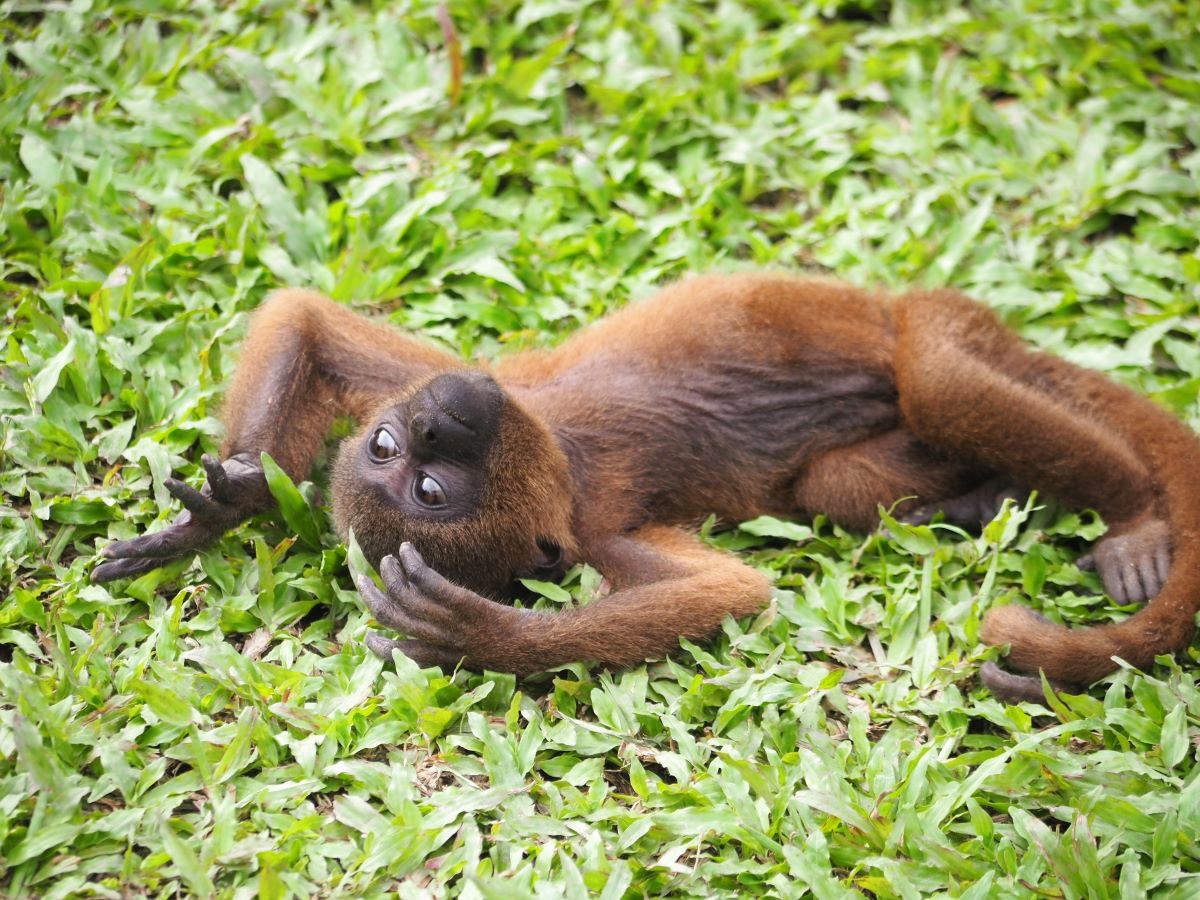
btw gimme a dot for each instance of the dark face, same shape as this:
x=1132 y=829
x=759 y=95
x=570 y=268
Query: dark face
x=477 y=485
x=426 y=455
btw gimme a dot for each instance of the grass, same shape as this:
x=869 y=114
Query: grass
x=218 y=729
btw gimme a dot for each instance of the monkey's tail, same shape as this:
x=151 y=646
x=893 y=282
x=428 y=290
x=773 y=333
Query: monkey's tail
x=968 y=385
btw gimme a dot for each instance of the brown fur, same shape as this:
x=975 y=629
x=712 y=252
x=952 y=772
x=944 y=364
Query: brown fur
x=735 y=396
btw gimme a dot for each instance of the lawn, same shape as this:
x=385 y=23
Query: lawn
x=218 y=728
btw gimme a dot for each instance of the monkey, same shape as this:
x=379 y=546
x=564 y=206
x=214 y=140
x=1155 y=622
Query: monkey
x=734 y=395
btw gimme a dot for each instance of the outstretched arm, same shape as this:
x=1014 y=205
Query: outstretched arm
x=667 y=585
x=306 y=360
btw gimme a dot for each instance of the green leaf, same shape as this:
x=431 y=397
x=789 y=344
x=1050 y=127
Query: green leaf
x=548 y=589
x=164 y=704
x=918 y=540
x=1175 y=743
x=240 y=751
x=46 y=379
x=354 y=555
x=194 y=874
x=40 y=161
x=296 y=511
x=280 y=208
x=768 y=526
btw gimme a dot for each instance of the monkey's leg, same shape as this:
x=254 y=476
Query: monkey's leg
x=968 y=386
x=894 y=469
x=667 y=585
x=305 y=361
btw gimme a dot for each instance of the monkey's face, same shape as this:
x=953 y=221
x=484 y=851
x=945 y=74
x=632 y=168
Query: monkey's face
x=473 y=481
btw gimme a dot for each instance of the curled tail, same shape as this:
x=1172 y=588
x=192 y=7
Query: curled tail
x=969 y=386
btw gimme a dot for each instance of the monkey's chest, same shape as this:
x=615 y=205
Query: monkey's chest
x=732 y=443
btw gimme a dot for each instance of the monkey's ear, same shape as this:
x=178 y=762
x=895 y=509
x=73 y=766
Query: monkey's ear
x=548 y=555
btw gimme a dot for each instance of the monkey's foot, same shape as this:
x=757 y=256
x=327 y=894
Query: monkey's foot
x=450 y=624
x=970 y=510
x=1133 y=562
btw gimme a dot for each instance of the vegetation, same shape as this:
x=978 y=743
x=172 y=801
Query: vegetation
x=219 y=729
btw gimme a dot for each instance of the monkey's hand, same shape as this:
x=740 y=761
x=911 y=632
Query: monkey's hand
x=236 y=489
x=448 y=624
x=1133 y=561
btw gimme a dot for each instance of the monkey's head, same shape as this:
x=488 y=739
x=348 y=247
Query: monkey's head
x=456 y=467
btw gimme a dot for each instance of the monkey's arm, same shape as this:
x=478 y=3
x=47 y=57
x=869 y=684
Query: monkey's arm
x=667 y=585
x=305 y=361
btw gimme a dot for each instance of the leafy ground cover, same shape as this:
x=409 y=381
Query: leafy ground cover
x=219 y=729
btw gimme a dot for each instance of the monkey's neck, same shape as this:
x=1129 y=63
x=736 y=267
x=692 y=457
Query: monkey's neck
x=605 y=481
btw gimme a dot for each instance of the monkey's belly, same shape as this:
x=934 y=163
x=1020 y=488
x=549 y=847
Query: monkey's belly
x=737 y=453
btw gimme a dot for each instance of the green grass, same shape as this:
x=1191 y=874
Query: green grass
x=219 y=728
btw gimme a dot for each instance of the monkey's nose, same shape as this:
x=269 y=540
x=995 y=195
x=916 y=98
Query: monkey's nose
x=455 y=416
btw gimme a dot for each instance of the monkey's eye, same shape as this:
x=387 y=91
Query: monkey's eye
x=382 y=445
x=428 y=492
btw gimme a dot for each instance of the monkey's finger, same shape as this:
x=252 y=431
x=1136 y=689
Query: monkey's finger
x=411 y=598
x=376 y=600
x=410 y=557
x=380 y=605
x=218 y=479
x=142 y=546
x=1087 y=562
x=183 y=536
x=418 y=573
x=422 y=654
x=461 y=604
x=393 y=576
x=390 y=613
x=124 y=568
x=192 y=500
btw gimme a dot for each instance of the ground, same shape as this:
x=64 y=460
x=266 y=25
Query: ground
x=219 y=729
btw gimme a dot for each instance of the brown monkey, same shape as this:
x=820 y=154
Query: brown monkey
x=736 y=395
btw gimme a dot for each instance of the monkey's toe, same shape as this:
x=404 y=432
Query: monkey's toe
x=1133 y=565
